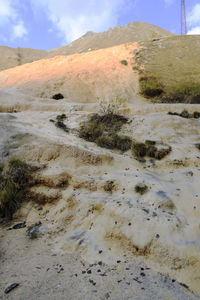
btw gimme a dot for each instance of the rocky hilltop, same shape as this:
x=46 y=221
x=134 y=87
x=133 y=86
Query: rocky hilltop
x=100 y=162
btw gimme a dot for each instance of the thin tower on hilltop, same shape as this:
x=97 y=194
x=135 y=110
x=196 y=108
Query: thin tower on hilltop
x=183 y=18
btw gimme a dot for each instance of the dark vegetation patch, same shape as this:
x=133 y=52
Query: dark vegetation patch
x=141 y=188
x=151 y=87
x=185 y=114
x=58 y=96
x=124 y=62
x=186 y=92
x=150 y=149
x=102 y=129
x=15 y=179
x=60 y=122
x=198 y=146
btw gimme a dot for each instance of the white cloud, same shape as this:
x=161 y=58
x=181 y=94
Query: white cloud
x=74 y=18
x=194 y=20
x=194 y=30
x=10 y=15
x=7 y=11
x=19 y=30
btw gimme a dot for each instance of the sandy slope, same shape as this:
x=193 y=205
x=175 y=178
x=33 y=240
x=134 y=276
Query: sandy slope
x=83 y=77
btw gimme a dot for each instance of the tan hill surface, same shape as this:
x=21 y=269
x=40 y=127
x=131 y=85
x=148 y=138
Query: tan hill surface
x=84 y=77
x=12 y=57
x=136 y=31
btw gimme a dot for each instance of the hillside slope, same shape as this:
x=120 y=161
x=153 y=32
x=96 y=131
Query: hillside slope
x=12 y=57
x=84 y=77
x=136 y=31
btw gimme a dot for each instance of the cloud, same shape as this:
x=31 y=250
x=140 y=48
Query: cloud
x=195 y=30
x=19 y=30
x=10 y=15
x=74 y=18
x=194 y=20
x=7 y=11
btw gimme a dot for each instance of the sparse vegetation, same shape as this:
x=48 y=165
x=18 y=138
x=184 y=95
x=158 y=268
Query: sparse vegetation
x=186 y=92
x=14 y=180
x=141 y=188
x=149 y=149
x=150 y=86
x=168 y=205
x=58 y=96
x=102 y=129
x=124 y=62
x=185 y=114
x=7 y=109
x=198 y=146
x=109 y=186
x=60 y=122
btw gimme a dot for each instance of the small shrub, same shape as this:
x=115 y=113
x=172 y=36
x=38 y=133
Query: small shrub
x=124 y=62
x=149 y=149
x=58 y=96
x=139 y=149
x=123 y=143
x=106 y=141
x=150 y=86
x=185 y=114
x=168 y=205
x=102 y=129
x=90 y=131
x=150 y=143
x=173 y=113
x=161 y=153
x=61 y=117
x=9 y=201
x=51 y=120
x=196 y=115
x=14 y=180
x=197 y=146
x=109 y=186
x=141 y=188
x=62 y=126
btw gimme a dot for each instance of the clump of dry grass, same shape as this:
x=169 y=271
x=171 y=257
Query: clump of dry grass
x=102 y=129
x=14 y=179
x=141 y=188
x=149 y=149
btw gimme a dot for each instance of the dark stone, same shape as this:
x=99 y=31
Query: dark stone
x=18 y=226
x=11 y=287
x=58 y=96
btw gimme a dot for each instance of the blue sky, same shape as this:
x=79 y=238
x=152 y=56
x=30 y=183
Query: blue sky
x=47 y=24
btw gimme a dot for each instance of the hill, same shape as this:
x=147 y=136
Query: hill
x=12 y=57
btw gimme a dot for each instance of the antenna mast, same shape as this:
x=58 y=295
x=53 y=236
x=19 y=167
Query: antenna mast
x=183 y=18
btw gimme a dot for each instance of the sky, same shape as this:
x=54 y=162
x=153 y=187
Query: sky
x=48 y=24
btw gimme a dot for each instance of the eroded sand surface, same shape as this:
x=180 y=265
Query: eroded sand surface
x=97 y=244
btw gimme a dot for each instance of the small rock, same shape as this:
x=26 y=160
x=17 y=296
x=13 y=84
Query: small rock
x=18 y=226
x=11 y=287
